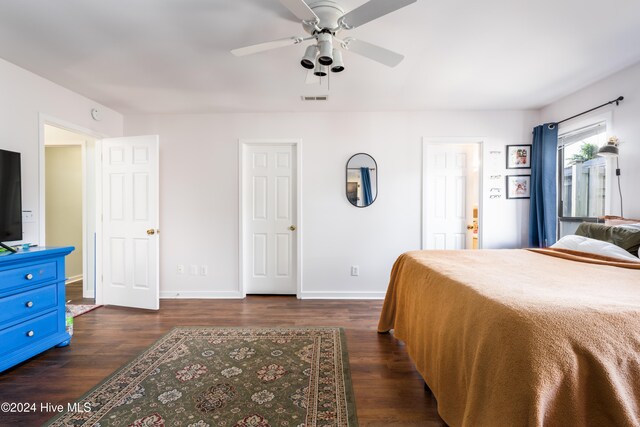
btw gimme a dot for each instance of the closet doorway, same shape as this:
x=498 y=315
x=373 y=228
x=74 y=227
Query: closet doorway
x=69 y=170
x=452 y=193
x=270 y=217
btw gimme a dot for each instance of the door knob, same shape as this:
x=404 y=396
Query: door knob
x=292 y=228
x=151 y=232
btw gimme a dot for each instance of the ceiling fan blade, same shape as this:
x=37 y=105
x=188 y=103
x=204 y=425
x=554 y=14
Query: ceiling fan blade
x=301 y=10
x=371 y=10
x=261 y=47
x=371 y=51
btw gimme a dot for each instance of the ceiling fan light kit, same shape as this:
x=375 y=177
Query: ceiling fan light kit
x=321 y=70
x=309 y=58
x=338 y=65
x=323 y=19
x=325 y=47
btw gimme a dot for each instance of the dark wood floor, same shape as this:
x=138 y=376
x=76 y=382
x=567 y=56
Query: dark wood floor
x=74 y=294
x=387 y=387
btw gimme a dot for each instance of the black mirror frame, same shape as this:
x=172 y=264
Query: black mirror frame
x=346 y=178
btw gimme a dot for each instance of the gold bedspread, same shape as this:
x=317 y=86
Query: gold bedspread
x=521 y=338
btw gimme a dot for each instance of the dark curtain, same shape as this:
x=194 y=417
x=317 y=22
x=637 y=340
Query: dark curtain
x=543 y=212
x=367 y=194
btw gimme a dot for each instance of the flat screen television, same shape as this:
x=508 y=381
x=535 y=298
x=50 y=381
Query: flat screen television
x=10 y=198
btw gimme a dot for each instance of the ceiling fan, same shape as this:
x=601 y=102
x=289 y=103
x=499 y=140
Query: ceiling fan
x=323 y=20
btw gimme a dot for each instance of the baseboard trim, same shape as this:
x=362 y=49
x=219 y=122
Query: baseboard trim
x=303 y=295
x=342 y=295
x=200 y=295
x=73 y=279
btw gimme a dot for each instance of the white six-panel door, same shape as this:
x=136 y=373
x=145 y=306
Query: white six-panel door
x=269 y=219
x=130 y=206
x=449 y=194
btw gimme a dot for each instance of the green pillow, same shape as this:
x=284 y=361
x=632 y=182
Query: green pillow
x=627 y=238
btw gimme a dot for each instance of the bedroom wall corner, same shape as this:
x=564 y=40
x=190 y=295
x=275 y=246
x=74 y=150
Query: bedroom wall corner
x=25 y=97
x=626 y=127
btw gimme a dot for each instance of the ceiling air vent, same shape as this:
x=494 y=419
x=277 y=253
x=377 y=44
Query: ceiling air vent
x=315 y=98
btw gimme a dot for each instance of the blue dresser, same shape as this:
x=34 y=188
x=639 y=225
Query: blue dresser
x=32 y=303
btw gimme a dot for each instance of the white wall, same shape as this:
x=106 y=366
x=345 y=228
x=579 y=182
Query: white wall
x=199 y=191
x=24 y=96
x=626 y=126
x=199 y=176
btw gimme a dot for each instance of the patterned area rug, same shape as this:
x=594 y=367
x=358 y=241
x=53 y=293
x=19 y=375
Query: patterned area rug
x=235 y=377
x=80 y=309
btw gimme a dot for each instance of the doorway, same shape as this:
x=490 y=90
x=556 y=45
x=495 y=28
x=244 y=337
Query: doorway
x=69 y=167
x=452 y=187
x=270 y=200
x=120 y=202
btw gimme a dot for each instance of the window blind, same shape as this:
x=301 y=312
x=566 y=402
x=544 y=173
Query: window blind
x=581 y=134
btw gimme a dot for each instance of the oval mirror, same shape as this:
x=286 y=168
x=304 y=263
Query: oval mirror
x=362 y=180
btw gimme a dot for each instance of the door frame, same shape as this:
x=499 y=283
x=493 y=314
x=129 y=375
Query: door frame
x=426 y=141
x=44 y=119
x=243 y=144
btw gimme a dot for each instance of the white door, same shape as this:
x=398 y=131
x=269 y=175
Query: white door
x=450 y=196
x=130 y=213
x=269 y=219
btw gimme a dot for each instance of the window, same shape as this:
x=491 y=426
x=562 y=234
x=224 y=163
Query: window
x=582 y=191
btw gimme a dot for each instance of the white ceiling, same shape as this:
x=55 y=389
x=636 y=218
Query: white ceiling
x=172 y=56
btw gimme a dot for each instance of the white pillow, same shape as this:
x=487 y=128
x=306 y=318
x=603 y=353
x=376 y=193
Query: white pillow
x=593 y=246
x=630 y=226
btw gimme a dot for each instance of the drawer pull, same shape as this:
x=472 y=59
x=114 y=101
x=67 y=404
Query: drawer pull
x=29 y=276
x=30 y=333
x=29 y=304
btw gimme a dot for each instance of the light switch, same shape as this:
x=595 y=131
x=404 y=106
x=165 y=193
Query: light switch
x=28 y=216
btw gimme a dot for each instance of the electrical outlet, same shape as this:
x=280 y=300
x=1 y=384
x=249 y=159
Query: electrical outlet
x=355 y=270
x=180 y=269
x=193 y=270
x=204 y=270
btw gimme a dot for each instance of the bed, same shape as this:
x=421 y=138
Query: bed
x=547 y=337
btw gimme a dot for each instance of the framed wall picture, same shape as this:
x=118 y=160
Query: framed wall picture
x=518 y=186
x=518 y=156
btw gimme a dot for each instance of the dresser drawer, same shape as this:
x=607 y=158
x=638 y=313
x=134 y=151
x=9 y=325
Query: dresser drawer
x=25 y=304
x=29 y=332
x=27 y=275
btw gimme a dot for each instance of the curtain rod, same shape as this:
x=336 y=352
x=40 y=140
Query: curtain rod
x=616 y=101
